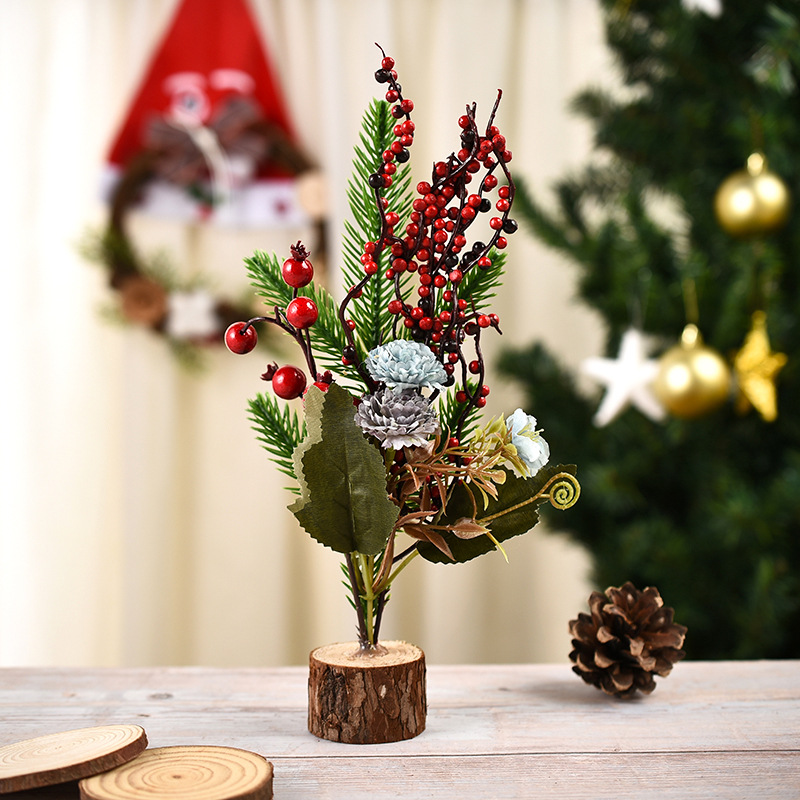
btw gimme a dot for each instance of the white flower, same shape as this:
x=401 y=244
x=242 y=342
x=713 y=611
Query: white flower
x=531 y=447
x=401 y=364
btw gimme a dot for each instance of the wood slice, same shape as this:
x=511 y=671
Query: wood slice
x=366 y=698
x=190 y=772
x=68 y=756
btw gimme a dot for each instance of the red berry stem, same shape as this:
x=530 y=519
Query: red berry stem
x=356 y=361
x=303 y=338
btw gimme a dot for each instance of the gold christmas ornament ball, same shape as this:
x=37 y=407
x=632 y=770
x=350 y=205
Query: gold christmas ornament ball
x=752 y=200
x=692 y=379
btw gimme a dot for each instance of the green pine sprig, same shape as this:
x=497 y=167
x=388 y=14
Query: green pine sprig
x=327 y=337
x=278 y=429
x=373 y=321
x=450 y=411
x=479 y=285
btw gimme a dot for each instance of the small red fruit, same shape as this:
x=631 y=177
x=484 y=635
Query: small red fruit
x=321 y=385
x=297 y=273
x=302 y=312
x=241 y=338
x=288 y=382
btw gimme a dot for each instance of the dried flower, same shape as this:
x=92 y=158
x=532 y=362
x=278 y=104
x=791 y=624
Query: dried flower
x=397 y=418
x=401 y=364
x=532 y=449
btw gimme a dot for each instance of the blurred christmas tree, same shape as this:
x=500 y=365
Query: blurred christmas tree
x=705 y=503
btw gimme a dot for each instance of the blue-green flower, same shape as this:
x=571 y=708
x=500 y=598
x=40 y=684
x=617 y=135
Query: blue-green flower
x=401 y=364
x=528 y=442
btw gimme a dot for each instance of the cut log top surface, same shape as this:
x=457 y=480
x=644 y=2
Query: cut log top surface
x=711 y=729
x=67 y=755
x=348 y=654
x=185 y=773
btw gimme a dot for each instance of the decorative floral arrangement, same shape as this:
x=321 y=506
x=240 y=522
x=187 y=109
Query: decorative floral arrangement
x=390 y=444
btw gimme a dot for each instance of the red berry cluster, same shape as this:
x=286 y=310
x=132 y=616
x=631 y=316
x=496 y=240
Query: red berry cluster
x=434 y=243
x=463 y=189
x=299 y=315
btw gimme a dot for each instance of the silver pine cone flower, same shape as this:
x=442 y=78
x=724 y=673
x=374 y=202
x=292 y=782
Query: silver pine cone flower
x=397 y=418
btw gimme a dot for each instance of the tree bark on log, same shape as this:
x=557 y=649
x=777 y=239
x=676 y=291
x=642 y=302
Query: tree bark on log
x=359 y=697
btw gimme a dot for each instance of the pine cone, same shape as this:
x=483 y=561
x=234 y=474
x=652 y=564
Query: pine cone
x=628 y=638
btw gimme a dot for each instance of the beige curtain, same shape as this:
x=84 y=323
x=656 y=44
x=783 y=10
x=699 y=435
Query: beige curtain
x=140 y=523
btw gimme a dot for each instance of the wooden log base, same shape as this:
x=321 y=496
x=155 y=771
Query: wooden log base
x=366 y=698
x=191 y=772
x=68 y=756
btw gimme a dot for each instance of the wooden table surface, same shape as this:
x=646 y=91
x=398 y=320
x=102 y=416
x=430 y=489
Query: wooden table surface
x=710 y=730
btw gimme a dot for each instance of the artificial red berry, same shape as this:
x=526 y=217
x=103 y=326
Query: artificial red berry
x=288 y=382
x=387 y=62
x=485 y=390
x=474 y=367
x=302 y=312
x=323 y=386
x=453 y=441
x=461 y=396
x=480 y=402
x=297 y=273
x=241 y=338
x=395 y=306
x=484 y=321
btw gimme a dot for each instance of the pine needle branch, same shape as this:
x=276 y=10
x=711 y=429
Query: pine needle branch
x=278 y=429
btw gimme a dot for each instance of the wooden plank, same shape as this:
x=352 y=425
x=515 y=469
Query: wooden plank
x=733 y=706
x=682 y=776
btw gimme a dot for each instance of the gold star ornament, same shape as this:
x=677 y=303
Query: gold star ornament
x=756 y=367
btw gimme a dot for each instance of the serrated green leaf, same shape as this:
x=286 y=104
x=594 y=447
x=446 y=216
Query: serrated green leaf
x=512 y=513
x=343 y=502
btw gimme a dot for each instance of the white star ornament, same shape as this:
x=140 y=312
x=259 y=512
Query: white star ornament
x=627 y=379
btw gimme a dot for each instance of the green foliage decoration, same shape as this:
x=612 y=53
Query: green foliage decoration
x=343 y=502
x=704 y=509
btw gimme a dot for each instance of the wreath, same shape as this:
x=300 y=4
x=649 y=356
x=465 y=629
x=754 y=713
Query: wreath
x=203 y=161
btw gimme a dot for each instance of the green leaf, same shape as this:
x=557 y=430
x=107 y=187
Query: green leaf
x=343 y=502
x=514 y=512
